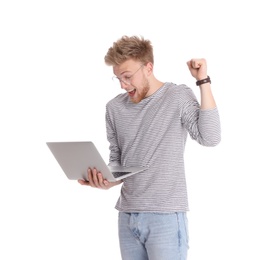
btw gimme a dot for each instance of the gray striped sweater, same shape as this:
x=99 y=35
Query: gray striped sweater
x=153 y=133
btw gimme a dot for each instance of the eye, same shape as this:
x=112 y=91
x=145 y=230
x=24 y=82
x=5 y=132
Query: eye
x=126 y=77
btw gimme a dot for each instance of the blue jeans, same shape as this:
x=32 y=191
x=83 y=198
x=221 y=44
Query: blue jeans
x=153 y=236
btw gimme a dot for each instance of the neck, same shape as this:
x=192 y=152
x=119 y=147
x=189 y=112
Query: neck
x=154 y=84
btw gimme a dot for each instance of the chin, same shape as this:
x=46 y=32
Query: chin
x=137 y=99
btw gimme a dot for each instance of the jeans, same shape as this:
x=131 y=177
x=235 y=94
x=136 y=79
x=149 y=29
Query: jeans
x=153 y=236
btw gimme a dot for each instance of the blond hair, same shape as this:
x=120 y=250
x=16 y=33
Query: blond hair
x=134 y=47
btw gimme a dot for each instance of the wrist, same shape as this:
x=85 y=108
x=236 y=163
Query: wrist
x=203 y=81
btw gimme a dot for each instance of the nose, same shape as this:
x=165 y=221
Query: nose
x=123 y=84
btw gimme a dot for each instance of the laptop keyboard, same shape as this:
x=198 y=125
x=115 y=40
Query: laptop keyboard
x=118 y=174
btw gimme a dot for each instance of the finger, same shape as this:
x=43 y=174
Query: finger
x=83 y=182
x=106 y=183
x=199 y=63
x=90 y=177
x=195 y=63
x=189 y=65
x=102 y=182
x=192 y=64
x=95 y=179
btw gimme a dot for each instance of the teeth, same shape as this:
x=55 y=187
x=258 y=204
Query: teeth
x=131 y=90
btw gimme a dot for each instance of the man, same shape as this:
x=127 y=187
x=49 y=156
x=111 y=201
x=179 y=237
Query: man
x=148 y=126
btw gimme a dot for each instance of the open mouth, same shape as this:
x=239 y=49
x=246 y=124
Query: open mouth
x=131 y=92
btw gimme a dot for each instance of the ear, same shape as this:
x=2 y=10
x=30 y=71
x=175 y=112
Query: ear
x=149 y=68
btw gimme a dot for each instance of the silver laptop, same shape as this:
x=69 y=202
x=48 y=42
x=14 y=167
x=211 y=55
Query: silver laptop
x=76 y=157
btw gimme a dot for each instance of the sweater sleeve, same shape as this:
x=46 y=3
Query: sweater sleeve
x=115 y=154
x=209 y=127
x=202 y=125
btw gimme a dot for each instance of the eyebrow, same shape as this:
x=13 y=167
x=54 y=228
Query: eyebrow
x=126 y=71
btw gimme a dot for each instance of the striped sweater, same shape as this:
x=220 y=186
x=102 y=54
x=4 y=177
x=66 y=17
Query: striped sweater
x=153 y=133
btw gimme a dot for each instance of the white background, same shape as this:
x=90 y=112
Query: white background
x=54 y=86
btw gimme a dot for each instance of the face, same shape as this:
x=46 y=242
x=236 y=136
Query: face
x=133 y=78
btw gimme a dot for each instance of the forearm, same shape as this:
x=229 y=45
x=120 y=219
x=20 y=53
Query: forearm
x=207 y=100
x=198 y=69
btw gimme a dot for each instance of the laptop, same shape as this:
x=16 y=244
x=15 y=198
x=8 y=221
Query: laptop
x=76 y=157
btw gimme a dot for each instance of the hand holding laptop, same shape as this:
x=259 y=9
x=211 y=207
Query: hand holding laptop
x=96 y=180
x=76 y=157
